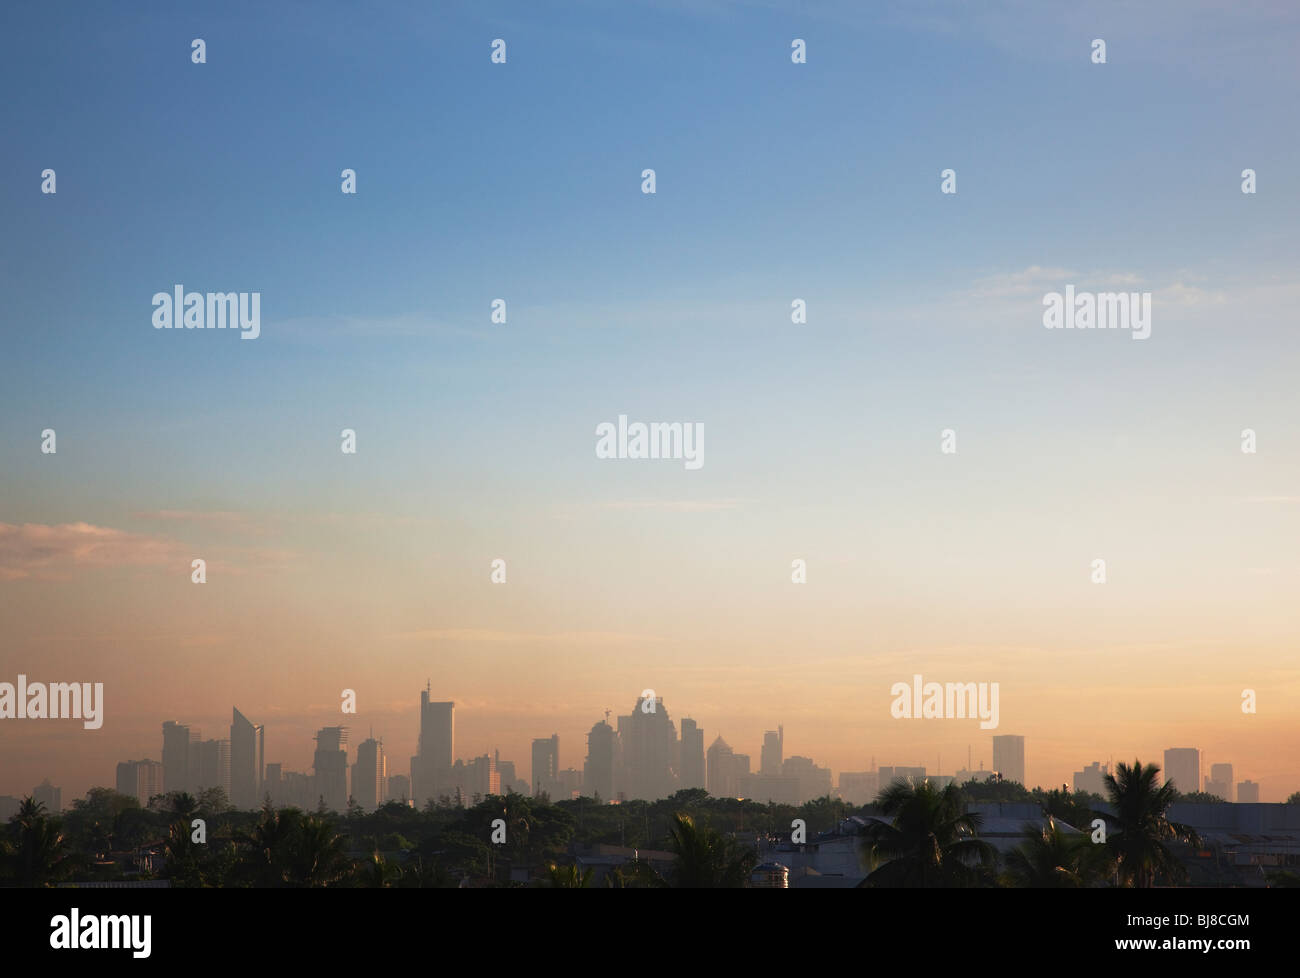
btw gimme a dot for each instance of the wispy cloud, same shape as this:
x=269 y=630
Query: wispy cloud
x=38 y=550
x=54 y=552
x=484 y=635
x=1034 y=279
x=675 y=505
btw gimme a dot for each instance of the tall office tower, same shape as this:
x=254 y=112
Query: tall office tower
x=399 y=788
x=48 y=795
x=195 y=770
x=369 y=774
x=1219 y=783
x=331 y=767
x=859 y=787
x=1183 y=768
x=272 y=786
x=176 y=756
x=691 y=767
x=482 y=777
x=773 y=754
x=1092 y=779
x=1009 y=757
x=507 y=771
x=213 y=766
x=649 y=743
x=811 y=781
x=434 y=755
x=149 y=781
x=724 y=773
x=598 y=772
x=546 y=764
x=1247 y=793
x=247 y=750
x=140 y=780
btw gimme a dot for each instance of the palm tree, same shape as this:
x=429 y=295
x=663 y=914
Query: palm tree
x=378 y=872
x=930 y=842
x=705 y=859
x=568 y=877
x=1138 y=830
x=40 y=855
x=317 y=858
x=1048 y=858
x=270 y=845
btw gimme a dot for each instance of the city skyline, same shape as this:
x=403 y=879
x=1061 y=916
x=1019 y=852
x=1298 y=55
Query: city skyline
x=218 y=763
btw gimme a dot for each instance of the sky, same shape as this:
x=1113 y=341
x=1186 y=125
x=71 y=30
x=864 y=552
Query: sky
x=475 y=440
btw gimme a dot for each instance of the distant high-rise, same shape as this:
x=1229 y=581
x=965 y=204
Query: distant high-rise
x=1219 y=783
x=1092 y=779
x=247 y=750
x=886 y=776
x=507 y=771
x=140 y=780
x=436 y=751
x=176 y=757
x=331 y=767
x=859 y=787
x=272 y=785
x=1183 y=768
x=773 y=753
x=213 y=765
x=1009 y=757
x=813 y=781
x=726 y=768
x=691 y=770
x=369 y=774
x=399 y=788
x=546 y=764
x=1247 y=793
x=649 y=742
x=598 y=772
x=48 y=795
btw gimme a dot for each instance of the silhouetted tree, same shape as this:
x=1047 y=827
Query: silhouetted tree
x=705 y=859
x=931 y=841
x=1140 y=827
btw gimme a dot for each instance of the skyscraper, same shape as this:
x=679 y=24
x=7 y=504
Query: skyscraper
x=176 y=756
x=1009 y=757
x=773 y=753
x=247 y=750
x=213 y=766
x=691 y=768
x=434 y=755
x=1247 y=793
x=598 y=772
x=726 y=769
x=649 y=742
x=370 y=774
x=331 y=767
x=1219 y=783
x=48 y=795
x=399 y=788
x=1183 y=768
x=140 y=780
x=546 y=764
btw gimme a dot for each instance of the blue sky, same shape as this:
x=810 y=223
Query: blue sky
x=522 y=181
